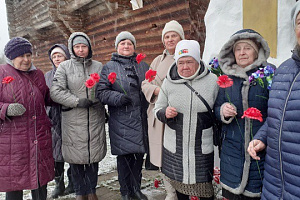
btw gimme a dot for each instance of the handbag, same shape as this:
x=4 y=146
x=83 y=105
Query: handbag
x=217 y=125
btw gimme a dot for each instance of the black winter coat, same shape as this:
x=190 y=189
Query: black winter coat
x=54 y=112
x=127 y=123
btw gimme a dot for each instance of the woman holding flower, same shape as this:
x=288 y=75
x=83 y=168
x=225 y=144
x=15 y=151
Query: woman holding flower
x=188 y=152
x=120 y=89
x=83 y=116
x=280 y=134
x=171 y=35
x=241 y=59
x=25 y=135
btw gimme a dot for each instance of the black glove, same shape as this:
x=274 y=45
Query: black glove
x=125 y=100
x=15 y=109
x=84 y=103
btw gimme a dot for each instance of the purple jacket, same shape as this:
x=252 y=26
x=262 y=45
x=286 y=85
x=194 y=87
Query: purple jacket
x=25 y=141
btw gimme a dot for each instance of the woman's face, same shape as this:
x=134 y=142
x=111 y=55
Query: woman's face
x=57 y=58
x=244 y=54
x=297 y=28
x=81 y=50
x=22 y=63
x=125 y=48
x=171 y=39
x=187 y=66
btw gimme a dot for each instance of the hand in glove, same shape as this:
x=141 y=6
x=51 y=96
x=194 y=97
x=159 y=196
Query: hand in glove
x=125 y=100
x=84 y=103
x=15 y=109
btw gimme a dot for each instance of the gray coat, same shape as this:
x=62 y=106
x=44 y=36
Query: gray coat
x=83 y=132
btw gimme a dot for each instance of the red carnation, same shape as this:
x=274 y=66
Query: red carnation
x=150 y=75
x=194 y=198
x=156 y=183
x=112 y=77
x=7 y=79
x=95 y=76
x=253 y=113
x=90 y=83
x=140 y=57
x=224 y=81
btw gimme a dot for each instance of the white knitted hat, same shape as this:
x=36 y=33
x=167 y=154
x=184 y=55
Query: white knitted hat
x=58 y=50
x=187 y=48
x=173 y=26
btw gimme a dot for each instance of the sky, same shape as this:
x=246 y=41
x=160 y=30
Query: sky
x=4 y=37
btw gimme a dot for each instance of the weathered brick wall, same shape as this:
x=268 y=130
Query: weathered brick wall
x=102 y=20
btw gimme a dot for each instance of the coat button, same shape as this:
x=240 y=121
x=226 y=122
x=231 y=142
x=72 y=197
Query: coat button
x=33 y=117
x=31 y=93
x=35 y=142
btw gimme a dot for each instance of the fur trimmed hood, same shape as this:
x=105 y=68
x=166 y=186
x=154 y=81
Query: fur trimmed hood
x=227 y=58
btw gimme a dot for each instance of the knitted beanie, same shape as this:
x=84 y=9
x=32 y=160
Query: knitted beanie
x=58 y=50
x=123 y=36
x=16 y=47
x=248 y=41
x=187 y=48
x=80 y=40
x=173 y=26
x=295 y=11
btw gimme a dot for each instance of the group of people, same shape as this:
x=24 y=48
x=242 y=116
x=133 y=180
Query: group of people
x=48 y=120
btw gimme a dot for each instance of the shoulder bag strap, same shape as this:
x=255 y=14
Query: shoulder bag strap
x=202 y=99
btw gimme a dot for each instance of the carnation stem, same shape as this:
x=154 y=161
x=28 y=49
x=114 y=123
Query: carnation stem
x=227 y=95
x=255 y=160
x=12 y=90
x=121 y=87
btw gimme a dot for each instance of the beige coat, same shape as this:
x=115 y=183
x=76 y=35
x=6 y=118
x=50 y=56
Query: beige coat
x=161 y=64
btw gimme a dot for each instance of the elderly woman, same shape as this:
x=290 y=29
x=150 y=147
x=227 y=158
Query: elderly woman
x=244 y=53
x=26 y=151
x=127 y=108
x=171 y=35
x=188 y=154
x=83 y=116
x=57 y=54
x=280 y=134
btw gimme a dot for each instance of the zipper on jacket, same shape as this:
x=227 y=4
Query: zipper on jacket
x=280 y=132
x=88 y=114
x=191 y=106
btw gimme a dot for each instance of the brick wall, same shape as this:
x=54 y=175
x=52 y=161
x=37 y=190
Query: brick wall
x=46 y=22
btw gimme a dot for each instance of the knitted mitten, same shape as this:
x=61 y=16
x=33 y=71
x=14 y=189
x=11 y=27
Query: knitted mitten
x=15 y=109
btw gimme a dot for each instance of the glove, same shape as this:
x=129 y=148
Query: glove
x=125 y=100
x=84 y=103
x=15 y=109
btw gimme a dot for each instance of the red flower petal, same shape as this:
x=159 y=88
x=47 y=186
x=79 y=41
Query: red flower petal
x=112 y=77
x=140 y=57
x=90 y=83
x=150 y=75
x=7 y=79
x=253 y=113
x=224 y=81
x=156 y=183
x=194 y=198
x=95 y=76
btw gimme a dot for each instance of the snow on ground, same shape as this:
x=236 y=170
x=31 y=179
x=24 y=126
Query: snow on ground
x=108 y=164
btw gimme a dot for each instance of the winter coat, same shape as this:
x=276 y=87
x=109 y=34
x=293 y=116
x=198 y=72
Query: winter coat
x=127 y=124
x=54 y=112
x=188 y=153
x=239 y=172
x=83 y=138
x=161 y=65
x=280 y=133
x=25 y=141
